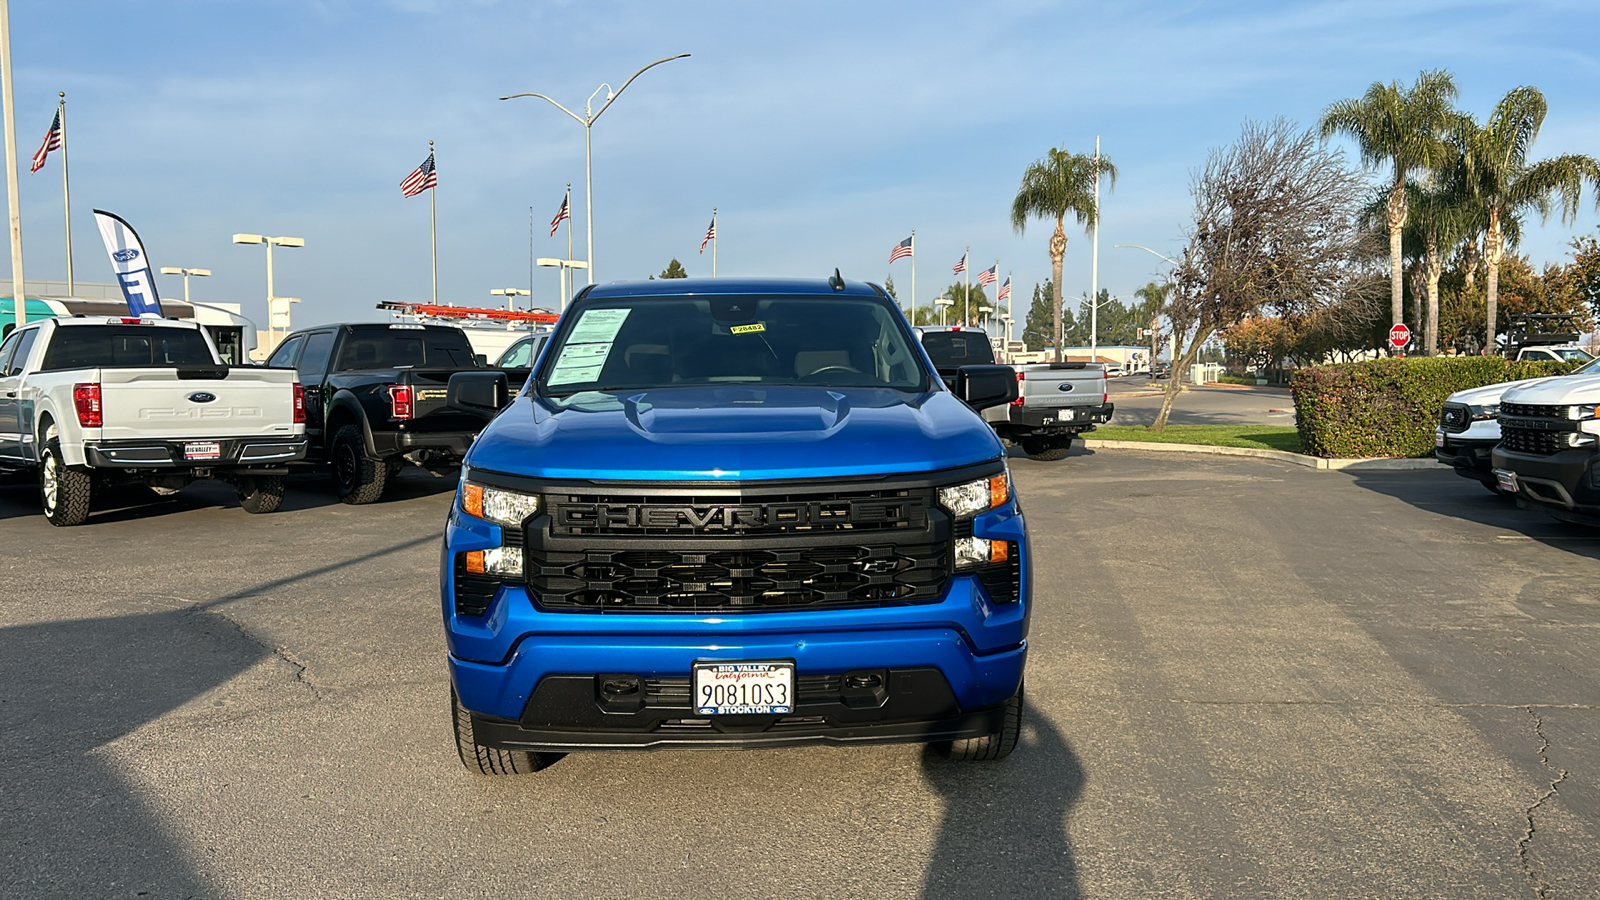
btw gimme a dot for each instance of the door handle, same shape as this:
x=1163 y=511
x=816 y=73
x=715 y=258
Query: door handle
x=11 y=395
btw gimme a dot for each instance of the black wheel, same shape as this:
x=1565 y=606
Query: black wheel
x=357 y=477
x=483 y=760
x=991 y=746
x=1046 y=449
x=259 y=493
x=64 y=489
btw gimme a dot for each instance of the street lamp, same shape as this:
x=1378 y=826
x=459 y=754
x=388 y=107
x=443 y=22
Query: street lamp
x=173 y=270
x=564 y=265
x=1172 y=277
x=511 y=295
x=587 y=120
x=271 y=309
x=943 y=302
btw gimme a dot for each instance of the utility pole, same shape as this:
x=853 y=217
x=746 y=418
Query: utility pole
x=19 y=303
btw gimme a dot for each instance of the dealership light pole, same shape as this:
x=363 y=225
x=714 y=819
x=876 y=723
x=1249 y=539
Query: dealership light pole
x=271 y=298
x=511 y=295
x=587 y=120
x=173 y=270
x=19 y=303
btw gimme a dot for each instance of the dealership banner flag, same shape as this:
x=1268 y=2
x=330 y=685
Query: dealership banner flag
x=129 y=262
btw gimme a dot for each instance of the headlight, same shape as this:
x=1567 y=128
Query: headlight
x=1485 y=412
x=975 y=551
x=974 y=497
x=497 y=505
x=496 y=561
x=1585 y=411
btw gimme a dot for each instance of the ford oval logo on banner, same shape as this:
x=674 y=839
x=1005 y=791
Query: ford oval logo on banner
x=202 y=397
x=1065 y=387
x=128 y=255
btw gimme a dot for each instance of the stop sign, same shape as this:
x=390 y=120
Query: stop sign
x=1399 y=336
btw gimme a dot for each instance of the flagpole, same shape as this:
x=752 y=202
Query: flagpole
x=530 y=258
x=565 y=270
x=913 y=276
x=713 y=242
x=433 y=225
x=966 y=271
x=66 y=192
x=18 y=301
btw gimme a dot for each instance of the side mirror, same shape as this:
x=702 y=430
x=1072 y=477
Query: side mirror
x=483 y=393
x=480 y=360
x=985 y=386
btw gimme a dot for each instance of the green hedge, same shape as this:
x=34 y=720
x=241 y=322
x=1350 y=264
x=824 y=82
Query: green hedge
x=1389 y=407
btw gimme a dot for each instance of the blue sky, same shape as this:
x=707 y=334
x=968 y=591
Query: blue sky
x=823 y=132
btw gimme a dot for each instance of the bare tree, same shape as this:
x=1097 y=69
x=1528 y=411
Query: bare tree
x=1275 y=232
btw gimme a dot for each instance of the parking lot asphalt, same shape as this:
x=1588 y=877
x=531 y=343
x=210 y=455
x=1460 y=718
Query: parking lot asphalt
x=1201 y=405
x=1246 y=680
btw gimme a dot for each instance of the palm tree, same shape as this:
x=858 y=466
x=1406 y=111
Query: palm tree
x=1056 y=185
x=1501 y=182
x=1406 y=128
x=1441 y=218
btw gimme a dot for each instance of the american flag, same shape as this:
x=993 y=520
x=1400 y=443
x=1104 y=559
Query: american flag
x=961 y=264
x=711 y=233
x=52 y=141
x=1005 y=290
x=902 y=250
x=423 y=178
x=989 y=275
x=562 y=214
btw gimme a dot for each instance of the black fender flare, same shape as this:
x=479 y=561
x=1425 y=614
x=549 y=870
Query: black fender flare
x=346 y=405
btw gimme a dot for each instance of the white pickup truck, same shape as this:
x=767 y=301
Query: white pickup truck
x=88 y=403
x=1055 y=402
x=1549 y=450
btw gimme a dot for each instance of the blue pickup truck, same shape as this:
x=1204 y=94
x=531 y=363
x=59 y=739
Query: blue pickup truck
x=734 y=513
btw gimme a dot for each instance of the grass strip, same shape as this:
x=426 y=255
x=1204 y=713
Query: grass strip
x=1260 y=437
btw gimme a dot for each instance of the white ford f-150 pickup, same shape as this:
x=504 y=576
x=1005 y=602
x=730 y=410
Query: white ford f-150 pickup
x=88 y=403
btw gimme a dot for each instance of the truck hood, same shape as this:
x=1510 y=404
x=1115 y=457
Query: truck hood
x=742 y=433
x=1491 y=393
x=1557 y=391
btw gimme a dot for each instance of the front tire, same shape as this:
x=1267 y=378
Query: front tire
x=481 y=760
x=1046 y=449
x=259 y=493
x=357 y=477
x=991 y=746
x=64 y=490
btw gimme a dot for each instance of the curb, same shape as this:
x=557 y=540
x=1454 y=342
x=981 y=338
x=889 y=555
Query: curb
x=1283 y=456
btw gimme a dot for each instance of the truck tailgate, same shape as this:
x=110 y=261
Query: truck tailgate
x=1043 y=386
x=164 y=403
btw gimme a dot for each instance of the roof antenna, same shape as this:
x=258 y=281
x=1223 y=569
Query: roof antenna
x=836 y=282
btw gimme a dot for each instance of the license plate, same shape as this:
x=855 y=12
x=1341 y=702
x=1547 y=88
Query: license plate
x=1507 y=480
x=744 y=688
x=1067 y=415
x=202 y=450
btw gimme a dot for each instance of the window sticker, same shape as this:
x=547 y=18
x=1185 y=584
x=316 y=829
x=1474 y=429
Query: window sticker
x=747 y=329
x=587 y=347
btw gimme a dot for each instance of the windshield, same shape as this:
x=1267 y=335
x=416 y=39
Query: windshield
x=638 y=343
x=1571 y=354
x=126 y=346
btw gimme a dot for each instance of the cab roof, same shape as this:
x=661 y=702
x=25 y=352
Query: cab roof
x=680 y=287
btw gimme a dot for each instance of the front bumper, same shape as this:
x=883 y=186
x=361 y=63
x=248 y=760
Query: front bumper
x=248 y=454
x=1563 y=480
x=534 y=679
x=1470 y=459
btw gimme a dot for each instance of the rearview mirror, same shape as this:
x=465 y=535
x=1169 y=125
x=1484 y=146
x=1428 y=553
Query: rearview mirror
x=985 y=386
x=483 y=393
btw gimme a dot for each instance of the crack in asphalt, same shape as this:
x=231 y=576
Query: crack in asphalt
x=301 y=670
x=1540 y=886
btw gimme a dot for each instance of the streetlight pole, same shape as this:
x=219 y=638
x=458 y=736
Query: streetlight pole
x=587 y=120
x=19 y=303
x=511 y=295
x=199 y=273
x=271 y=297
x=1172 y=277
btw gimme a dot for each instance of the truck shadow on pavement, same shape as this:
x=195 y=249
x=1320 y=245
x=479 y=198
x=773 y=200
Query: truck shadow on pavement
x=1447 y=494
x=74 y=816
x=1004 y=831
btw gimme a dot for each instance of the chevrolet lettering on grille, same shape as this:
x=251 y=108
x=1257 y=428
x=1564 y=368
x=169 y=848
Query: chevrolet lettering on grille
x=694 y=518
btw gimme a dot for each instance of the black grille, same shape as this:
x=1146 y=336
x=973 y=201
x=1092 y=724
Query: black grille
x=742 y=580
x=1539 y=443
x=740 y=516
x=1455 y=417
x=1532 y=411
x=1535 y=441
